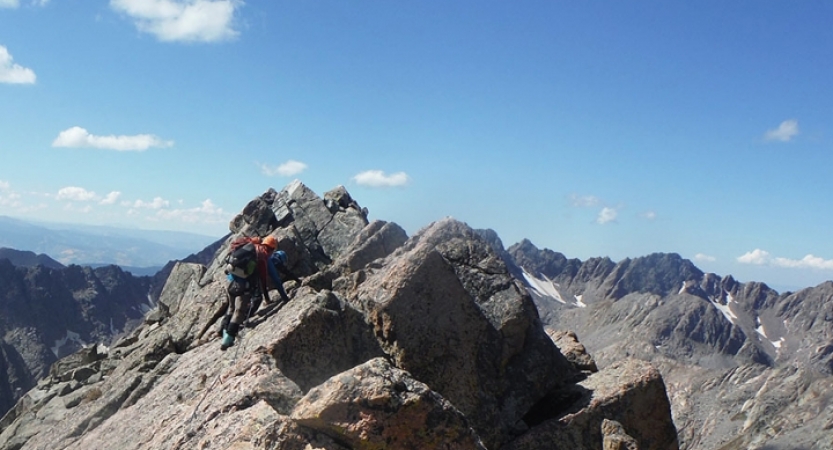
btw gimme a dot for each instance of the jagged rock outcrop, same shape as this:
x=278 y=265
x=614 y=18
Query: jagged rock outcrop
x=726 y=349
x=376 y=405
x=203 y=257
x=48 y=313
x=629 y=391
x=389 y=342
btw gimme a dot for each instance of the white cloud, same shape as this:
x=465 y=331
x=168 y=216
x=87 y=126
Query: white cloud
x=704 y=258
x=582 y=201
x=14 y=73
x=377 y=178
x=758 y=257
x=70 y=207
x=16 y=3
x=786 y=131
x=286 y=169
x=75 y=193
x=7 y=196
x=649 y=215
x=808 y=262
x=111 y=198
x=207 y=212
x=156 y=203
x=182 y=20
x=607 y=215
x=77 y=137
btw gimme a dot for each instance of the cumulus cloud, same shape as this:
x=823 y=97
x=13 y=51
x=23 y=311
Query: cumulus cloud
x=77 y=137
x=810 y=261
x=784 y=133
x=182 y=20
x=7 y=196
x=111 y=198
x=12 y=73
x=156 y=203
x=583 y=201
x=207 y=212
x=607 y=215
x=757 y=257
x=70 y=207
x=378 y=178
x=704 y=258
x=76 y=194
x=15 y=3
x=286 y=169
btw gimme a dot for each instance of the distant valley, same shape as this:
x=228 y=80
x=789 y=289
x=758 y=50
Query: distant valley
x=141 y=252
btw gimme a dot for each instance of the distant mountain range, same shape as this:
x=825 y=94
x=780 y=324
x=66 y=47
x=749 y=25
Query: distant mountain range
x=21 y=258
x=743 y=366
x=141 y=252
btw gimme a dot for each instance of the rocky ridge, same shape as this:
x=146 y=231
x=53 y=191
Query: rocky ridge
x=390 y=341
x=745 y=366
x=48 y=313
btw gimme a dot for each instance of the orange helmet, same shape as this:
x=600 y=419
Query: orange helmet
x=271 y=242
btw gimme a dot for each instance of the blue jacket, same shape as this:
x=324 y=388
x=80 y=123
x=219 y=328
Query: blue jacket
x=275 y=277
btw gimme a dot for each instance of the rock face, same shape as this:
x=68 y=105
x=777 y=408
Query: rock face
x=389 y=342
x=48 y=313
x=742 y=362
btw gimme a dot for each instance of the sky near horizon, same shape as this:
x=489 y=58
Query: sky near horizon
x=613 y=129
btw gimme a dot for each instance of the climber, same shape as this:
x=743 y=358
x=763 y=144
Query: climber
x=246 y=289
x=276 y=266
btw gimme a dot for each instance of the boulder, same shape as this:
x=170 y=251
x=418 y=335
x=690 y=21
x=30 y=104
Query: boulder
x=446 y=309
x=630 y=392
x=377 y=406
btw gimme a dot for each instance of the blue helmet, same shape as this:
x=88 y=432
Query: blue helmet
x=279 y=257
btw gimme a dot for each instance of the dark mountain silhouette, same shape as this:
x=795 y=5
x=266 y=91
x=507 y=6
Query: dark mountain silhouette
x=48 y=313
x=28 y=259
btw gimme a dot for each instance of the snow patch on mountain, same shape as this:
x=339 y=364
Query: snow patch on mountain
x=727 y=308
x=60 y=343
x=544 y=288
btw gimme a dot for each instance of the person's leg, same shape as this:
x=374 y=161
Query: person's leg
x=241 y=312
x=238 y=315
x=224 y=324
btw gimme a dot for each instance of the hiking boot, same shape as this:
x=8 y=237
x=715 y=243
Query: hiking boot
x=228 y=340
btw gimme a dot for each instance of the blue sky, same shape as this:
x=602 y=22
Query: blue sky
x=592 y=128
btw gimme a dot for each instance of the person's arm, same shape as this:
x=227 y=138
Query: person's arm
x=276 y=280
x=289 y=275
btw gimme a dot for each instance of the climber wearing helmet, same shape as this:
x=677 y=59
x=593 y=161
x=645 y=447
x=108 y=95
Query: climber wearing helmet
x=266 y=274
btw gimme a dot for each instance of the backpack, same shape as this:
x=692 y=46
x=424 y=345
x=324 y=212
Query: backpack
x=242 y=258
